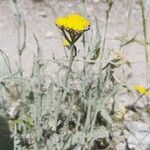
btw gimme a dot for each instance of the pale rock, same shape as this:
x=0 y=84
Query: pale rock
x=137 y=126
x=120 y=111
x=145 y=117
x=14 y=110
x=139 y=141
x=49 y=34
x=70 y=5
x=129 y=115
x=120 y=146
x=43 y=14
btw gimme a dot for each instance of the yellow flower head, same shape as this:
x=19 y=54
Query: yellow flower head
x=73 y=22
x=141 y=89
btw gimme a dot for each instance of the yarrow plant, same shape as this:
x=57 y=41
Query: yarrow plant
x=83 y=112
x=72 y=27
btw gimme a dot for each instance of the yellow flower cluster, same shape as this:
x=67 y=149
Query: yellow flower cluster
x=73 y=22
x=141 y=89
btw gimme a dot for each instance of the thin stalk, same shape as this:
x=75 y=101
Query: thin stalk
x=39 y=92
x=99 y=83
x=64 y=91
x=70 y=64
x=20 y=61
x=110 y=3
x=84 y=12
x=144 y=29
x=94 y=119
x=15 y=138
x=20 y=47
x=7 y=62
x=130 y=14
x=145 y=41
x=87 y=122
x=62 y=97
x=18 y=18
x=78 y=121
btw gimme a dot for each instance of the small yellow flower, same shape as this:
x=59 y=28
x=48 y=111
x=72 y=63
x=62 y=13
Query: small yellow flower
x=73 y=22
x=141 y=89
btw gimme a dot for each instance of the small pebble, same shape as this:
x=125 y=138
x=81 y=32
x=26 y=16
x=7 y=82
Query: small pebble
x=49 y=34
x=139 y=141
x=43 y=14
x=135 y=126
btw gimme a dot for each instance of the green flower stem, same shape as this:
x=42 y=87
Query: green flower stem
x=70 y=64
x=19 y=52
x=15 y=136
x=87 y=122
x=64 y=92
x=39 y=94
x=99 y=83
x=7 y=62
x=20 y=45
x=145 y=41
x=73 y=37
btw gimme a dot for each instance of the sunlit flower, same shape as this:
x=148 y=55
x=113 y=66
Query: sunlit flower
x=141 y=89
x=73 y=22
